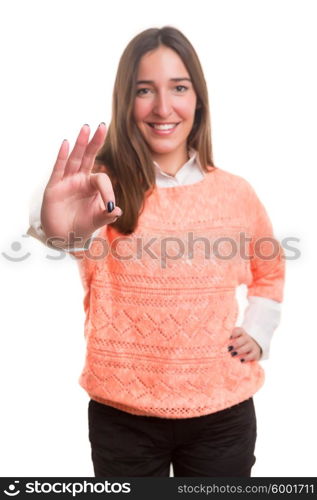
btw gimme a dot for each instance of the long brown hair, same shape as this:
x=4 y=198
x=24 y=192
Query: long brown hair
x=125 y=156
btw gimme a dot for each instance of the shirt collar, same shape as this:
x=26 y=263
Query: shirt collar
x=191 y=164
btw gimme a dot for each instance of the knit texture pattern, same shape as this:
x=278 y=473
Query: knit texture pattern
x=160 y=303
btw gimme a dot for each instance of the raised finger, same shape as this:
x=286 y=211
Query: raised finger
x=76 y=156
x=93 y=148
x=59 y=167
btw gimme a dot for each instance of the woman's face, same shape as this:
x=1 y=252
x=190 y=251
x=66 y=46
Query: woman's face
x=164 y=95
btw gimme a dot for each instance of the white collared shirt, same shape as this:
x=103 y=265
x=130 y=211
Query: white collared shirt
x=262 y=315
x=189 y=173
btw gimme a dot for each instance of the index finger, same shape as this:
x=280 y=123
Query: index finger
x=237 y=332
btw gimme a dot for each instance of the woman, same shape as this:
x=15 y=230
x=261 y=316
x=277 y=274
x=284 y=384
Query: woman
x=170 y=377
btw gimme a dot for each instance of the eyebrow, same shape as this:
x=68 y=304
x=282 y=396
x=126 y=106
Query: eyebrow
x=171 y=80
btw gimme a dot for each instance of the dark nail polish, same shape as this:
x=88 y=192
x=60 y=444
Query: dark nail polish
x=230 y=348
x=110 y=206
x=234 y=353
x=242 y=360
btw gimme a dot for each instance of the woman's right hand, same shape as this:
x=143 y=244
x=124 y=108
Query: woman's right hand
x=75 y=200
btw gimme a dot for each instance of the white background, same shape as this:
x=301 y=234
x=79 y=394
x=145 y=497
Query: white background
x=58 y=64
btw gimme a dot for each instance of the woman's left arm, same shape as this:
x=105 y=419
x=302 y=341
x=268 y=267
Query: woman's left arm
x=252 y=340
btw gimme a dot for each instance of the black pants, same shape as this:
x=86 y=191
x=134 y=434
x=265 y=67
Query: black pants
x=219 y=444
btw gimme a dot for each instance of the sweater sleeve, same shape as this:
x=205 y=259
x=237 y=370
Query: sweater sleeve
x=266 y=281
x=267 y=259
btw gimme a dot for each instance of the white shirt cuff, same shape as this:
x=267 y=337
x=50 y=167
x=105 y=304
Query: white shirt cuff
x=37 y=232
x=261 y=318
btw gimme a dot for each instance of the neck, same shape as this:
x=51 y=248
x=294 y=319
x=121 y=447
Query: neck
x=172 y=162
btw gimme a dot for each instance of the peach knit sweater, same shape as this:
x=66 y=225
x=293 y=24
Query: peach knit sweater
x=160 y=309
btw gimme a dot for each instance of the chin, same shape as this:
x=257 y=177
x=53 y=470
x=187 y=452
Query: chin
x=162 y=149
x=162 y=146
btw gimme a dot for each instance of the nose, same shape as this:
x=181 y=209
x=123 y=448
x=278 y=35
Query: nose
x=162 y=104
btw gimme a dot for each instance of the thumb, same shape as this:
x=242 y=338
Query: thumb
x=105 y=217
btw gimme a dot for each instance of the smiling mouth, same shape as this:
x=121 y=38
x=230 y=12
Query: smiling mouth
x=163 y=126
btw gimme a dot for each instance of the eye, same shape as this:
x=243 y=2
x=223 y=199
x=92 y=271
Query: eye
x=181 y=87
x=141 y=91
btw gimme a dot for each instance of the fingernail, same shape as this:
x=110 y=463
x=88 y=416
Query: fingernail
x=110 y=206
x=85 y=125
x=242 y=360
x=230 y=347
x=102 y=123
x=234 y=353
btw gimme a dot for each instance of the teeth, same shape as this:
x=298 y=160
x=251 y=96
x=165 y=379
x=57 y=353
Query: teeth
x=167 y=126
